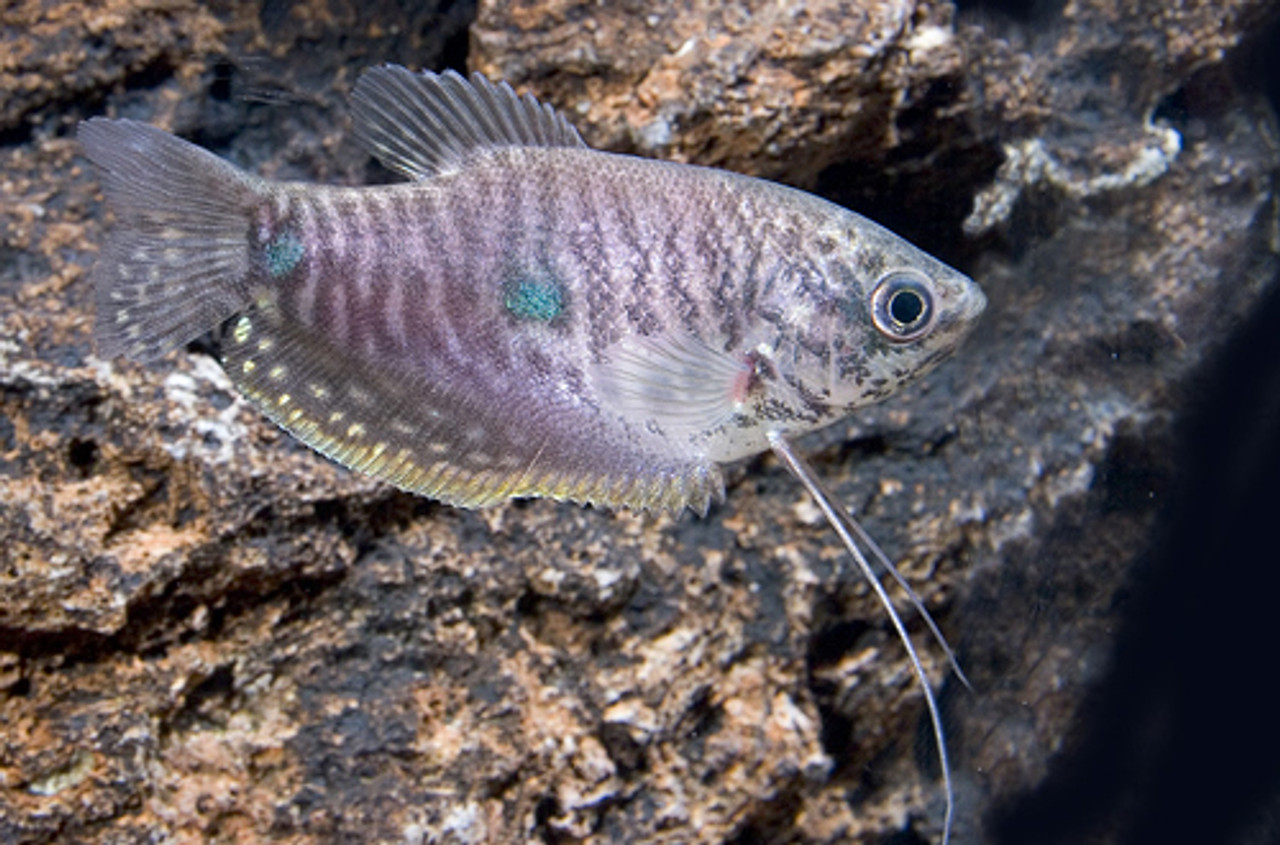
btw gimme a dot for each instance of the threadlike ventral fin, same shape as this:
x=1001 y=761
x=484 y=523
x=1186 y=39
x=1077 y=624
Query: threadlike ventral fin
x=177 y=262
x=426 y=124
x=841 y=522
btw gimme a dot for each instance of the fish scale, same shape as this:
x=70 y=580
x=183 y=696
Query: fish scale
x=526 y=316
x=347 y=443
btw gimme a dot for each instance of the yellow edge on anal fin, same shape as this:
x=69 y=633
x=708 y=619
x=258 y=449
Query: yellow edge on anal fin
x=358 y=417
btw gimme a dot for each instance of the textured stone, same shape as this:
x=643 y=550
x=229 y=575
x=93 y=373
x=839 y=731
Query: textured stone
x=774 y=89
x=207 y=632
x=53 y=54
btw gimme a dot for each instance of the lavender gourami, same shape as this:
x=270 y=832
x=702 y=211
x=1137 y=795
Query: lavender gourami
x=527 y=316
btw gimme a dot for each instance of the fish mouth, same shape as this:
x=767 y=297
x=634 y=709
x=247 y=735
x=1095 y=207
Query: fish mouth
x=977 y=302
x=959 y=321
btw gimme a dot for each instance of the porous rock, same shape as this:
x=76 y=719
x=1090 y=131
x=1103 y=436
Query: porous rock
x=207 y=632
x=774 y=89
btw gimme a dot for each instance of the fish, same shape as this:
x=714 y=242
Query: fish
x=526 y=316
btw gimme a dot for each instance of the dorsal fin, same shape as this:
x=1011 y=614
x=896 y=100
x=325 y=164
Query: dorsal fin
x=425 y=124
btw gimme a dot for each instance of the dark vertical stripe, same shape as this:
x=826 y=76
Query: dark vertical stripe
x=302 y=211
x=359 y=216
x=674 y=283
x=598 y=270
x=627 y=237
x=460 y=254
x=402 y=254
x=426 y=249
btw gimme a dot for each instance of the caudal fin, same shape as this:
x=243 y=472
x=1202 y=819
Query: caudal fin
x=178 y=261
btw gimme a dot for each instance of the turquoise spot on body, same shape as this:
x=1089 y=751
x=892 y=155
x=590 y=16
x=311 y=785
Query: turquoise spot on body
x=283 y=253
x=536 y=300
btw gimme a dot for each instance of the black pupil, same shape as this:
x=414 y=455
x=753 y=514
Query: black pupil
x=906 y=307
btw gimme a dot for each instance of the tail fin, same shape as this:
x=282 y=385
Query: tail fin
x=178 y=262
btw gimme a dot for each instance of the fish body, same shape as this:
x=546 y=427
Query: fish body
x=523 y=319
x=526 y=316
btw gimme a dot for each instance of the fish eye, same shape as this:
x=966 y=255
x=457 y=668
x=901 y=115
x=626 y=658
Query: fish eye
x=902 y=306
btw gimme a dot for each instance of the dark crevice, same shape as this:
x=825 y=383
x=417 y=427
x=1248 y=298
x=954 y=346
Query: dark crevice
x=69 y=641
x=213 y=694
x=903 y=191
x=83 y=456
x=220 y=86
x=151 y=631
x=14 y=136
x=628 y=756
x=908 y=837
x=858 y=449
x=1025 y=12
x=702 y=719
x=831 y=643
x=828 y=645
x=155 y=485
x=456 y=48
x=1202 y=612
x=150 y=76
x=544 y=811
x=775 y=821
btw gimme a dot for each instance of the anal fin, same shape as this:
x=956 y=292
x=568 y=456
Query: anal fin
x=465 y=449
x=352 y=412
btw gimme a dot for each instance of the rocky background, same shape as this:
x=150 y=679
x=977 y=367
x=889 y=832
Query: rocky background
x=209 y=633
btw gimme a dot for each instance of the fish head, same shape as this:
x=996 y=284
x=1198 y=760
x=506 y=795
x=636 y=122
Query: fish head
x=874 y=314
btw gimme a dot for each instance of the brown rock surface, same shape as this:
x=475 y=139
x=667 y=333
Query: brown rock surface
x=54 y=54
x=207 y=632
x=776 y=89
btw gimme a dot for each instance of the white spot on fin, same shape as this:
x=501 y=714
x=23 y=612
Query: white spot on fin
x=425 y=124
x=429 y=439
x=175 y=266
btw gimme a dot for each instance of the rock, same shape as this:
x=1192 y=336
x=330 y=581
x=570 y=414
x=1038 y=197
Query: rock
x=774 y=89
x=207 y=632
x=57 y=55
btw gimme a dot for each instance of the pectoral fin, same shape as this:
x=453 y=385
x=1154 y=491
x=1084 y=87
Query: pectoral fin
x=677 y=381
